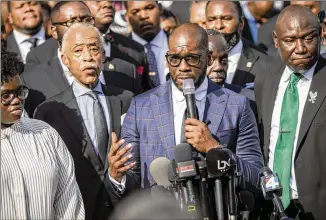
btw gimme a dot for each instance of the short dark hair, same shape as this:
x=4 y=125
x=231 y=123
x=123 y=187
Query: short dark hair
x=166 y=14
x=58 y=6
x=237 y=6
x=125 y=3
x=45 y=7
x=10 y=65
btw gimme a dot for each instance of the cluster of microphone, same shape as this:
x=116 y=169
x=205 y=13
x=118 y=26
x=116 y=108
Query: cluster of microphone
x=189 y=178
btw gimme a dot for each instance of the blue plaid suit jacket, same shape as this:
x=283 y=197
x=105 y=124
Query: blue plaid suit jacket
x=148 y=125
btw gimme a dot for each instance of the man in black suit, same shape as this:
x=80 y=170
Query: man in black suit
x=244 y=57
x=217 y=72
x=290 y=94
x=84 y=115
x=144 y=19
x=26 y=19
x=52 y=75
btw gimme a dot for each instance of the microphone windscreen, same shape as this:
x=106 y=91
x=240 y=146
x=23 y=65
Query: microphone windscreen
x=188 y=87
x=218 y=162
x=159 y=171
x=183 y=152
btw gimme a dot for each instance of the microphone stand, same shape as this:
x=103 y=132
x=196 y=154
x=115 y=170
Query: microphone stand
x=233 y=212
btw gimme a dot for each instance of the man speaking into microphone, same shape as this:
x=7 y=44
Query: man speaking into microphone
x=155 y=123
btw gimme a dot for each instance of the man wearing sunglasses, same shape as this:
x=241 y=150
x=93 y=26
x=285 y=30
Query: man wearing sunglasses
x=154 y=120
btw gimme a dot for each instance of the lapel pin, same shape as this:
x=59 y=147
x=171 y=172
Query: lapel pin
x=111 y=66
x=313 y=96
x=152 y=73
x=249 y=64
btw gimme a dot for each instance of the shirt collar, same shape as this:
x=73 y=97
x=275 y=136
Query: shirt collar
x=157 y=41
x=236 y=50
x=200 y=92
x=20 y=37
x=247 y=13
x=307 y=75
x=80 y=90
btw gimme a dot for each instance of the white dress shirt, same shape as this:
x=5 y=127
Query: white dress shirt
x=303 y=89
x=179 y=106
x=159 y=47
x=70 y=78
x=234 y=57
x=23 y=45
x=37 y=174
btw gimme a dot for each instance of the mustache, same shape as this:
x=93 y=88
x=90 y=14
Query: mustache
x=85 y=66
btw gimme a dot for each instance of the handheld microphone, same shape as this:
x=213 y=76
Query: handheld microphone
x=159 y=171
x=247 y=203
x=189 y=94
x=186 y=169
x=220 y=164
x=272 y=189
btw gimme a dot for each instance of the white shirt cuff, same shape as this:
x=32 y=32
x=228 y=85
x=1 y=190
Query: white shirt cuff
x=121 y=187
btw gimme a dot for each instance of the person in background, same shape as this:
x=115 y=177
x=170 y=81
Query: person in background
x=5 y=18
x=217 y=72
x=168 y=21
x=314 y=6
x=154 y=121
x=197 y=13
x=46 y=12
x=52 y=3
x=255 y=13
x=144 y=19
x=322 y=22
x=243 y=56
x=27 y=20
x=85 y=115
x=37 y=172
x=290 y=96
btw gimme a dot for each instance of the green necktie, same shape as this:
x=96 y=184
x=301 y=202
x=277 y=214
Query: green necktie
x=285 y=142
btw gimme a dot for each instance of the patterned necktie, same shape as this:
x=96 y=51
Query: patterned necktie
x=100 y=126
x=32 y=41
x=153 y=70
x=285 y=142
x=108 y=38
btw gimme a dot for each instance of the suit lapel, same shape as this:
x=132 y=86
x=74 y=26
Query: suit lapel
x=273 y=80
x=215 y=106
x=56 y=75
x=315 y=98
x=246 y=62
x=75 y=122
x=162 y=109
x=13 y=46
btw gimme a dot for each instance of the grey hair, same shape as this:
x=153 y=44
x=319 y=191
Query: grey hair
x=82 y=25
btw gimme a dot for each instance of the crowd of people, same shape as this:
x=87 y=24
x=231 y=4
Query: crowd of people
x=85 y=110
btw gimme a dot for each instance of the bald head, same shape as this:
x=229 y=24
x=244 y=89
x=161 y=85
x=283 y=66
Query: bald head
x=314 y=6
x=297 y=38
x=190 y=32
x=296 y=13
x=260 y=10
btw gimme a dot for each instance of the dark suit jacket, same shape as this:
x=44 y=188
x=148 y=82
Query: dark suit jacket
x=63 y=114
x=122 y=47
x=250 y=94
x=309 y=162
x=248 y=66
x=246 y=32
x=12 y=45
x=265 y=38
x=47 y=80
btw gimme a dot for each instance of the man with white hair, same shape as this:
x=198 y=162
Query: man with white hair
x=85 y=115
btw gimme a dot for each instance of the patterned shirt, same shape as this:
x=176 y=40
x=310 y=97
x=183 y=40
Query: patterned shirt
x=37 y=175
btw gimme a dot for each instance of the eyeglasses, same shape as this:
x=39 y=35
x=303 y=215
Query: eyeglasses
x=321 y=16
x=175 y=59
x=21 y=93
x=68 y=23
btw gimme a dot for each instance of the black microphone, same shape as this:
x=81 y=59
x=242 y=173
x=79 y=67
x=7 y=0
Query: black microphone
x=186 y=169
x=220 y=164
x=247 y=203
x=203 y=189
x=189 y=94
x=272 y=189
